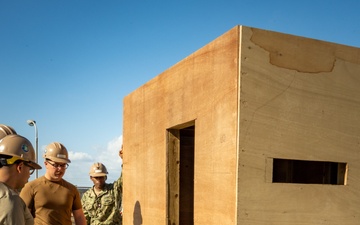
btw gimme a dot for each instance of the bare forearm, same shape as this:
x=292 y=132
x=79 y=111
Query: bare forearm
x=79 y=217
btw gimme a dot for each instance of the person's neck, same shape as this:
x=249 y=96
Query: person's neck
x=97 y=190
x=47 y=176
x=5 y=178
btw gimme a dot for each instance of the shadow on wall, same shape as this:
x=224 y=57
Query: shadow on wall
x=137 y=217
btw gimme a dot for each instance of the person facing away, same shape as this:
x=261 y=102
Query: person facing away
x=17 y=163
x=50 y=198
x=6 y=130
x=102 y=202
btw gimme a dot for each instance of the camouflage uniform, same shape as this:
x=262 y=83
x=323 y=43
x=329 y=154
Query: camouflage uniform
x=103 y=209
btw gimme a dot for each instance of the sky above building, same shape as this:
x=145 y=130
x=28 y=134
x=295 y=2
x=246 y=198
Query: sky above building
x=69 y=64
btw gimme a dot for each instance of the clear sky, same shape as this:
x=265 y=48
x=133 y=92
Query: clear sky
x=68 y=64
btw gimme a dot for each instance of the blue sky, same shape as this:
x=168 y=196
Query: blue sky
x=68 y=64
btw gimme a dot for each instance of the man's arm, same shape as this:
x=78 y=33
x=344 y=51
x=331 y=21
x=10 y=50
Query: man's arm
x=13 y=212
x=79 y=217
x=27 y=196
x=84 y=202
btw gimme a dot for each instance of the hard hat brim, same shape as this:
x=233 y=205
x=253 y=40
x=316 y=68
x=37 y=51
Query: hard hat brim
x=98 y=174
x=35 y=165
x=56 y=159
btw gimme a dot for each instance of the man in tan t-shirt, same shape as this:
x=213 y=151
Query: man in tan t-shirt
x=50 y=198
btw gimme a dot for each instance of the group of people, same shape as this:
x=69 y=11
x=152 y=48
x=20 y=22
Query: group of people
x=50 y=199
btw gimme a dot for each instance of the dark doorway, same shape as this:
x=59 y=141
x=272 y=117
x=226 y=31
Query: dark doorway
x=180 y=172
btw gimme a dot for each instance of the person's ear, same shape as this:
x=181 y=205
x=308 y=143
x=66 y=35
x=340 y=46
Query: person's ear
x=19 y=167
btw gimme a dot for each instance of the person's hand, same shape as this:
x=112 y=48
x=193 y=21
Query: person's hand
x=121 y=152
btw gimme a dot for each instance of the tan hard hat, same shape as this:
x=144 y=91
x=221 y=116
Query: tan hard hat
x=6 y=130
x=56 y=152
x=98 y=170
x=19 y=148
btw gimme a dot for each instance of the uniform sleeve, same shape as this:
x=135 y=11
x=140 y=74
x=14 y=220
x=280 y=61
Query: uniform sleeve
x=28 y=197
x=118 y=188
x=29 y=220
x=118 y=184
x=7 y=214
x=77 y=200
x=14 y=211
x=84 y=201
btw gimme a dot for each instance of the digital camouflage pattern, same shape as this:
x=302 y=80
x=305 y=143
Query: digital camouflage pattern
x=105 y=208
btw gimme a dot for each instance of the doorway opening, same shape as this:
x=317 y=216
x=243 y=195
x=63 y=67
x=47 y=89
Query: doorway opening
x=180 y=174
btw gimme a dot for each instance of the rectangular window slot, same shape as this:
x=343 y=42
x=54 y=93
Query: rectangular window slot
x=309 y=172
